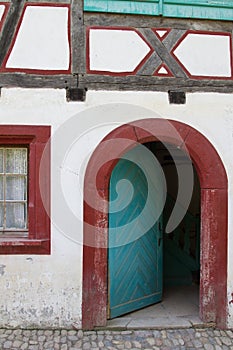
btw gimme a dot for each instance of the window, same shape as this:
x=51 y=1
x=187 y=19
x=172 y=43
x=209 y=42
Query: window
x=24 y=215
x=13 y=190
x=217 y=9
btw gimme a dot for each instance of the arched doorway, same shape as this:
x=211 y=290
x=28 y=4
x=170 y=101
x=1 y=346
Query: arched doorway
x=213 y=184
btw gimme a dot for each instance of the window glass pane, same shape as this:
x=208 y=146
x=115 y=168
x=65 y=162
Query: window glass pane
x=16 y=160
x=16 y=188
x=1 y=160
x=1 y=188
x=1 y=215
x=16 y=216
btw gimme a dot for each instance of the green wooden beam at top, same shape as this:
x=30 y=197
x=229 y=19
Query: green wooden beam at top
x=219 y=10
x=145 y=7
x=206 y=3
x=207 y=9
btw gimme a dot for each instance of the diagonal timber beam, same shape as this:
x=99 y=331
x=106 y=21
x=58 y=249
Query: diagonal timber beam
x=9 y=27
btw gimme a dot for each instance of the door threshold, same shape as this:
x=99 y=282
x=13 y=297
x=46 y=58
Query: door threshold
x=127 y=323
x=178 y=309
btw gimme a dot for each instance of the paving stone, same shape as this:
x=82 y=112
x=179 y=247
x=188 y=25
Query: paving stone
x=26 y=333
x=7 y=345
x=229 y=333
x=17 y=344
x=57 y=338
x=80 y=334
x=226 y=341
x=87 y=346
x=217 y=347
x=48 y=332
x=167 y=342
x=218 y=340
x=72 y=337
x=78 y=343
x=63 y=340
x=64 y=347
x=3 y=335
x=197 y=343
x=164 y=334
x=128 y=345
x=151 y=341
x=225 y=347
x=158 y=342
x=165 y=339
x=181 y=341
x=72 y=332
x=208 y=347
x=175 y=342
x=137 y=344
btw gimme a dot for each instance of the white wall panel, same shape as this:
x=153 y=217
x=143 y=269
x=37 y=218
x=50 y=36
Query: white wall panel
x=42 y=41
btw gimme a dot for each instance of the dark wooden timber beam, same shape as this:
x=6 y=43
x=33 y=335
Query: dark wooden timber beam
x=10 y=26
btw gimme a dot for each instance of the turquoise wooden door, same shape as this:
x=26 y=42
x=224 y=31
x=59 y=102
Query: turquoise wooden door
x=135 y=233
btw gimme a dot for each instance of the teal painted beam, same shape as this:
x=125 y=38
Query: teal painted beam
x=206 y=3
x=198 y=9
x=206 y=9
x=149 y=7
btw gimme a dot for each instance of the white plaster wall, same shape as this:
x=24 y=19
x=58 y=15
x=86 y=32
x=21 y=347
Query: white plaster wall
x=46 y=290
x=210 y=54
x=116 y=50
x=42 y=41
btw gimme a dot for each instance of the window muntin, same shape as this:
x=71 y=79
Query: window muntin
x=13 y=190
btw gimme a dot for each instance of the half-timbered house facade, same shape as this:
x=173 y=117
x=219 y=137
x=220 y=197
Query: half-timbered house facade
x=116 y=126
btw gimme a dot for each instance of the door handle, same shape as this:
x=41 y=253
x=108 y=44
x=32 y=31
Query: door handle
x=160 y=227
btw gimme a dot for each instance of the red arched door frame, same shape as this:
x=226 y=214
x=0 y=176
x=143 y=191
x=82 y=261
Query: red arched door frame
x=214 y=216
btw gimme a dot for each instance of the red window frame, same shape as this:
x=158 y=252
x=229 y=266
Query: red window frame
x=35 y=138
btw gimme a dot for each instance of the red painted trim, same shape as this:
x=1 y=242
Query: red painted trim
x=157 y=74
x=141 y=63
x=36 y=138
x=32 y=70
x=201 y=77
x=214 y=218
x=161 y=38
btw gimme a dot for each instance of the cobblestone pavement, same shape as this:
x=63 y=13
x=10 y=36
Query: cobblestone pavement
x=173 y=339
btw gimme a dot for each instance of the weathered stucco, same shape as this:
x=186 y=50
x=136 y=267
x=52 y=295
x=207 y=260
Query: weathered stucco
x=45 y=291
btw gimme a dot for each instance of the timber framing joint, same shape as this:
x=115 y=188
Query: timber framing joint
x=79 y=78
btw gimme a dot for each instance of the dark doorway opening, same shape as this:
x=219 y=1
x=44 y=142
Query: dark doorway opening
x=181 y=247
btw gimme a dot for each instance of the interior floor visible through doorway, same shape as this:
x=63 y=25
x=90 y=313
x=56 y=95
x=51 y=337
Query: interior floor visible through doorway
x=179 y=308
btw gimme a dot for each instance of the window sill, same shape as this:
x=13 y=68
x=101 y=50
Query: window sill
x=24 y=246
